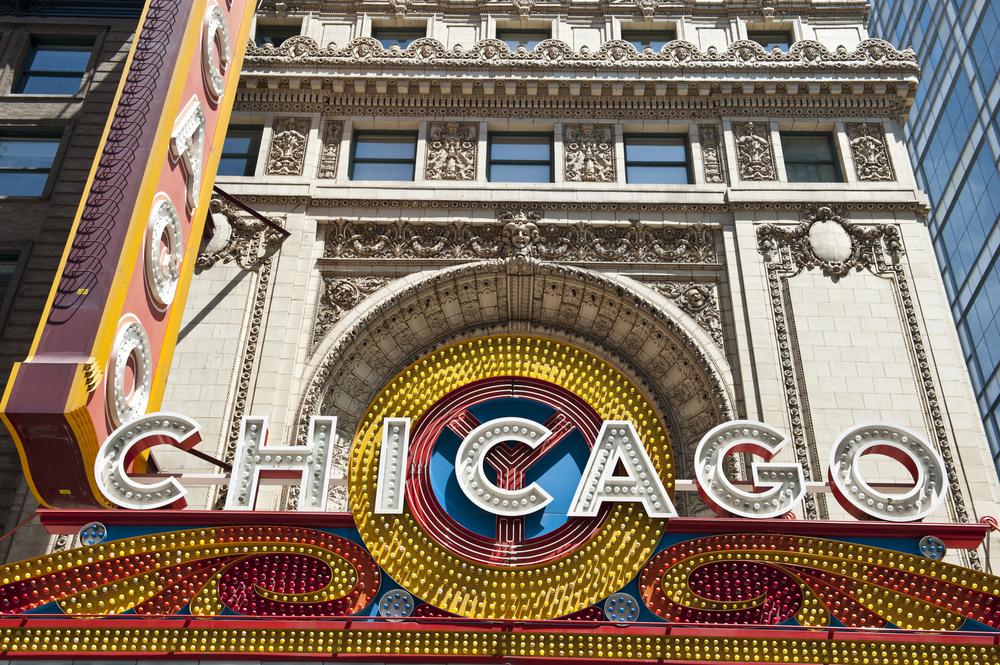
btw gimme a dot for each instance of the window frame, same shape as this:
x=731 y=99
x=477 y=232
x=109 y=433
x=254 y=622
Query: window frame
x=55 y=41
x=685 y=139
x=48 y=133
x=523 y=162
x=355 y=134
x=274 y=26
x=834 y=155
x=422 y=30
x=528 y=31
x=23 y=249
x=632 y=32
x=788 y=34
x=244 y=127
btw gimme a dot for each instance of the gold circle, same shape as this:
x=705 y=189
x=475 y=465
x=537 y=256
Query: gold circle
x=447 y=580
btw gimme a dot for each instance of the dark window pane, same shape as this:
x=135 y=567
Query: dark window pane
x=520 y=173
x=385 y=147
x=807 y=149
x=529 y=39
x=657 y=175
x=521 y=148
x=811 y=173
x=655 y=150
x=60 y=60
x=382 y=171
x=402 y=37
x=655 y=39
x=276 y=34
x=8 y=261
x=27 y=154
x=234 y=166
x=771 y=38
x=51 y=85
x=15 y=183
x=240 y=150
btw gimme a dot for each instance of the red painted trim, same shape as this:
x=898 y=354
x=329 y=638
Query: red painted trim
x=957 y=536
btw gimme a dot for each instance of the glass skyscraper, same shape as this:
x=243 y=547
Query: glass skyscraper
x=953 y=137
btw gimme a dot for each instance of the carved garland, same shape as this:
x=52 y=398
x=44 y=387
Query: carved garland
x=329 y=158
x=250 y=244
x=754 y=152
x=787 y=251
x=699 y=300
x=451 y=150
x=590 y=153
x=339 y=295
x=712 y=159
x=869 y=151
x=551 y=53
x=287 y=154
x=637 y=243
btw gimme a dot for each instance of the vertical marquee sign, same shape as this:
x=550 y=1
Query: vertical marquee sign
x=103 y=349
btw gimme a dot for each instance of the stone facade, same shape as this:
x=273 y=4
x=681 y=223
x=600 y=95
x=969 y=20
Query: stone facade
x=736 y=294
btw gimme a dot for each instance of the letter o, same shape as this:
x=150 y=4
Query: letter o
x=131 y=348
x=906 y=447
x=215 y=25
x=163 y=262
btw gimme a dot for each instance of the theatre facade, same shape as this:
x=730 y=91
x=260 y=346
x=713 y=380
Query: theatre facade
x=504 y=331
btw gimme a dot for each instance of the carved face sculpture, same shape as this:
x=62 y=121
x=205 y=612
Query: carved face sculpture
x=521 y=233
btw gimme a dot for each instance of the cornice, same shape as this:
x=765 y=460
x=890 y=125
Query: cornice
x=552 y=55
x=914 y=207
x=540 y=9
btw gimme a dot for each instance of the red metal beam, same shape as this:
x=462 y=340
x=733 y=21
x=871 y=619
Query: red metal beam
x=956 y=536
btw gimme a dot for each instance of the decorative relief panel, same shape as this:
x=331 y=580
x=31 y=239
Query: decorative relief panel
x=869 y=151
x=287 y=155
x=678 y=55
x=590 y=152
x=754 y=152
x=648 y=7
x=522 y=234
x=329 y=156
x=451 y=150
x=711 y=153
x=340 y=295
x=698 y=299
x=827 y=239
x=249 y=243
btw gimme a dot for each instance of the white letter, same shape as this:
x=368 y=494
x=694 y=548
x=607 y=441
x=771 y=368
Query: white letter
x=619 y=442
x=129 y=440
x=392 y=466
x=310 y=464
x=787 y=481
x=163 y=262
x=214 y=25
x=187 y=144
x=469 y=467
x=904 y=446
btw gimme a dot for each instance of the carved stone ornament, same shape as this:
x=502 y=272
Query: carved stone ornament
x=636 y=243
x=239 y=239
x=826 y=239
x=676 y=56
x=329 y=156
x=869 y=151
x=524 y=7
x=648 y=7
x=287 y=155
x=697 y=299
x=712 y=161
x=451 y=150
x=768 y=8
x=400 y=6
x=754 y=152
x=590 y=153
x=339 y=295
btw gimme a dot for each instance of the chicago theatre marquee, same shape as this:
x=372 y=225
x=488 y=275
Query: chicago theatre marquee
x=522 y=330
